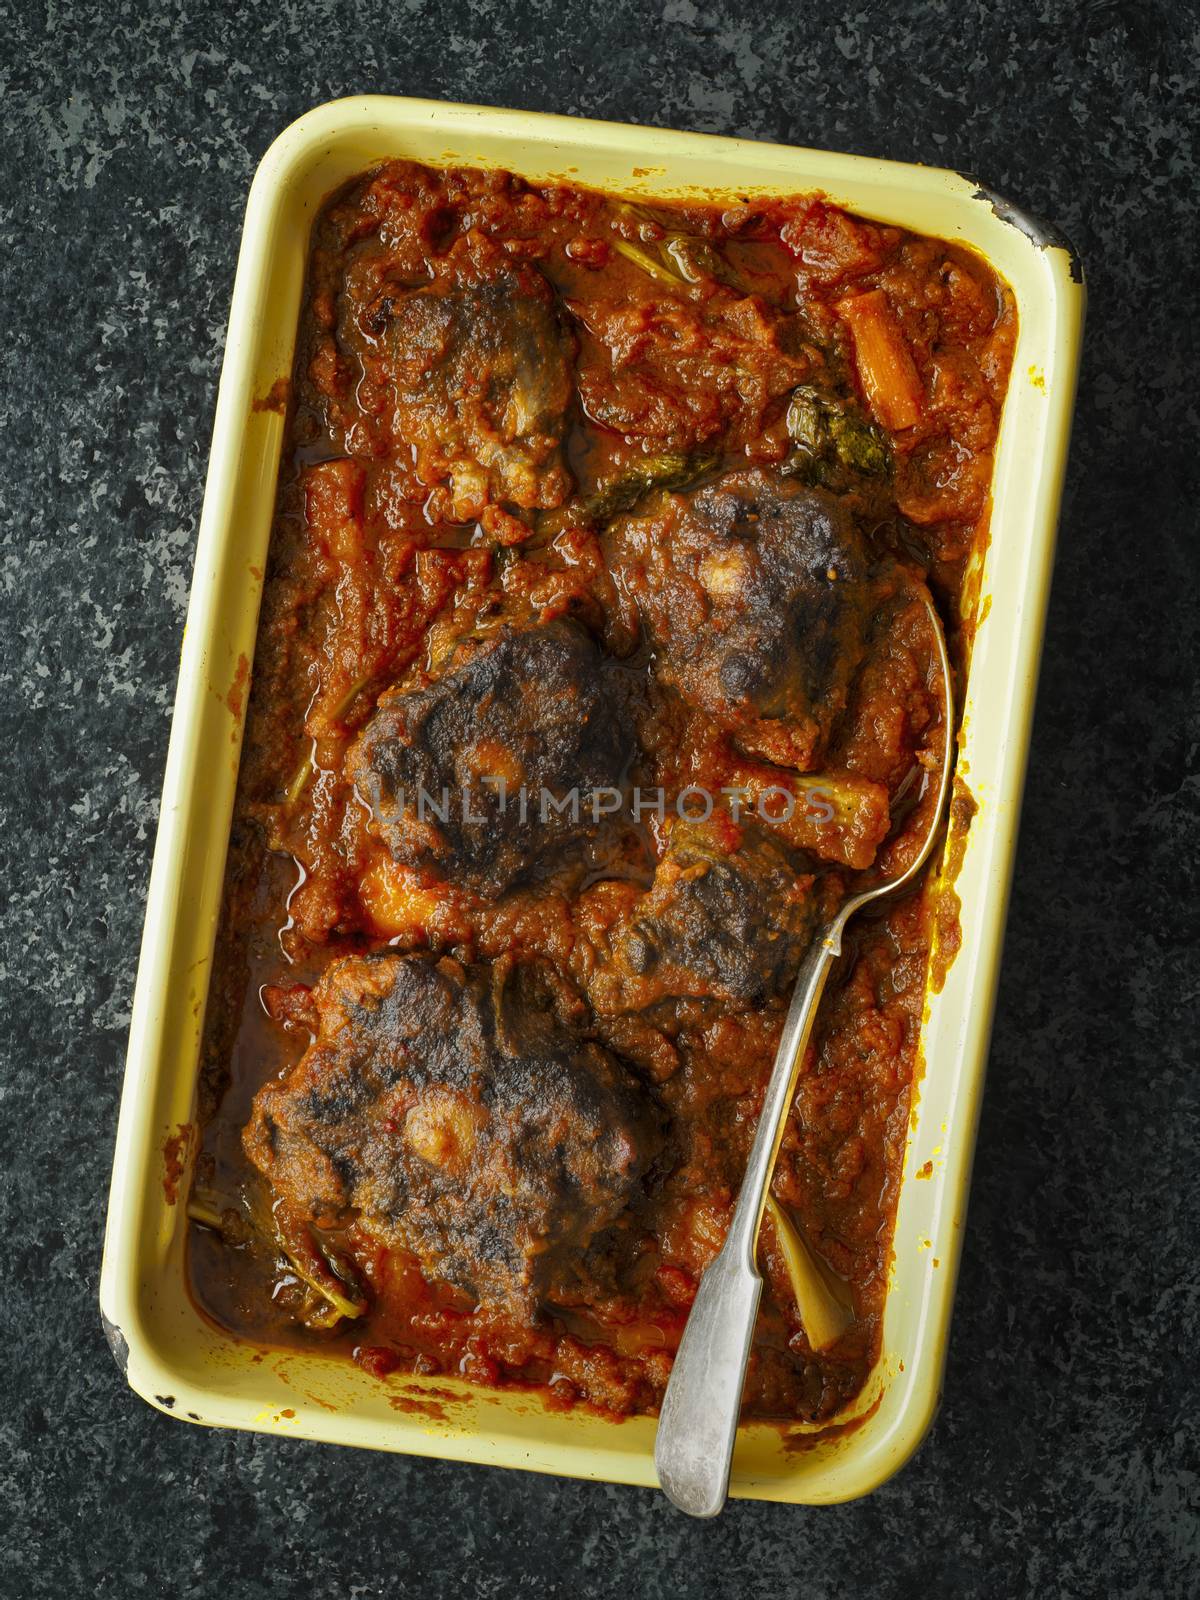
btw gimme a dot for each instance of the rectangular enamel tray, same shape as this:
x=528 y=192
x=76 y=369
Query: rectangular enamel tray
x=169 y=1353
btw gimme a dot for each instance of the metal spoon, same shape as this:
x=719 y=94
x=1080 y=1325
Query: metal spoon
x=698 y=1424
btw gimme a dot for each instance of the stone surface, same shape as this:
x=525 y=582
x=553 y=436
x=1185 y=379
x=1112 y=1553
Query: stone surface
x=1064 y=1460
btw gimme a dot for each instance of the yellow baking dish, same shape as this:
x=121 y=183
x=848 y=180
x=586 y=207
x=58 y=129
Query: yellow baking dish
x=174 y=1357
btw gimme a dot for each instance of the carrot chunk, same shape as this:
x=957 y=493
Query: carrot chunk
x=333 y=504
x=885 y=366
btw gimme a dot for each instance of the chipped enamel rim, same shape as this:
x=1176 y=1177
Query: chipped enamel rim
x=171 y=1355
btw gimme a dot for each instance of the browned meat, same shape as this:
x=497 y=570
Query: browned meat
x=756 y=593
x=728 y=916
x=482 y=380
x=515 y=715
x=456 y=1116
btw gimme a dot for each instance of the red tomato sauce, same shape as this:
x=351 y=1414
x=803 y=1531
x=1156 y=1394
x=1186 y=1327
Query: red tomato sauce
x=511 y=400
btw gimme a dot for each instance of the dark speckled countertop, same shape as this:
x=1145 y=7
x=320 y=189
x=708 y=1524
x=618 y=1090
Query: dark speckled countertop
x=1064 y=1461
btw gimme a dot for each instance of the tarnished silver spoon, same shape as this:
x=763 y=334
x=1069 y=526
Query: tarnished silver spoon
x=696 y=1430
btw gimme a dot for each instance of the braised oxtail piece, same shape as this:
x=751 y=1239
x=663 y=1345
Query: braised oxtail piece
x=495 y=767
x=756 y=593
x=449 y=1112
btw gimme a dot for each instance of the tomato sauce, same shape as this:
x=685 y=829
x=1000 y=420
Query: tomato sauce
x=641 y=352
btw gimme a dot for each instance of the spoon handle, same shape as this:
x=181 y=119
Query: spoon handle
x=698 y=1423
